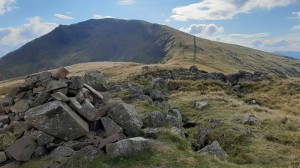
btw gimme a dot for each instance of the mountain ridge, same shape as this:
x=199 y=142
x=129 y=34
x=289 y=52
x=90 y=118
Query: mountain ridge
x=136 y=41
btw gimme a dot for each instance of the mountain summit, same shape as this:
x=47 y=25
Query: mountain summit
x=136 y=41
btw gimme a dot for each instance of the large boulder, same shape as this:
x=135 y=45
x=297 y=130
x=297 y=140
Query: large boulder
x=96 y=80
x=88 y=110
x=214 y=149
x=55 y=85
x=171 y=118
x=77 y=83
x=60 y=73
x=22 y=149
x=126 y=117
x=128 y=147
x=58 y=120
x=158 y=89
x=110 y=127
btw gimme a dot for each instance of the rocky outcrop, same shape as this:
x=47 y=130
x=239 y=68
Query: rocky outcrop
x=214 y=149
x=51 y=114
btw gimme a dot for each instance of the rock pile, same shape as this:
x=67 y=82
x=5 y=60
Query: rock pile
x=50 y=114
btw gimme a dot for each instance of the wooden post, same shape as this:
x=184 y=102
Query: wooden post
x=195 y=48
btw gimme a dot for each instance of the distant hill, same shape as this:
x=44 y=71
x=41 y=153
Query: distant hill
x=136 y=41
x=293 y=54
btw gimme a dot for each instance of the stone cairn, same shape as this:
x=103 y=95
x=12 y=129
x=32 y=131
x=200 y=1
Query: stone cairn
x=50 y=114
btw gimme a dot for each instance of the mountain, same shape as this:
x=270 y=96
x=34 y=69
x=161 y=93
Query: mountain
x=293 y=54
x=137 y=41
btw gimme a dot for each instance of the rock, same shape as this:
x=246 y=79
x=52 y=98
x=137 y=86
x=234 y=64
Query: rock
x=96 y=80
x=113 y=138
x=214 y=149
x=64 y=91
x=202 y=136
x=55 y=85
x=75 y=105
x=88 y=111
x=160 y=119
x=96 y=93
x=43 y=138
x=6 y=140
x=41 y=99
x=19 y=128
x=178 y=132
x=80 y=97
x=60 y=97
x=60 y=73
x=3 y=157
x=110 y=127
x=158 y=89
x=89 y=153
x=38 y=89
x=77 y=82
x=126 y=117
x=163 y=105
x=250 y=120
x=39 y=151
x=22 y=149
x=20 y=106
x=201 y=105
x=252 y=102
x=58 y=120
x=12 y=165
x=44 y=75
x=62 y=151
x=194 y=68
x=128 y=147
x=4 y=119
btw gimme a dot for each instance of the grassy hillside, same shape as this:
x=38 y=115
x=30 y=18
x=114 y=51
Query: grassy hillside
x=137 y=41
x=273 y=142
x=228 y=58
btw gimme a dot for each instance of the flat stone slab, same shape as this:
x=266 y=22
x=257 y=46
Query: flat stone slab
x=22 y=149
x=58 y=120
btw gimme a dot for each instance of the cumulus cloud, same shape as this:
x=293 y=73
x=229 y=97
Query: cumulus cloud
x=262 y=41
x=13 y=37
x=7 y=6
x=98 y=16
x=203 y=29
x=126 y=2
x=297 y=14
x=297 y=27
x=220 y=10
x=61 y=16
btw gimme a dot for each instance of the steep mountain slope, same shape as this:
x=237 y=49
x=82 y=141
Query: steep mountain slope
x=137 y=41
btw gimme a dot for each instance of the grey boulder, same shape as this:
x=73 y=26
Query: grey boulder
x=57 y=119
x=128 y=147
x=110 y=127
x=127 y=118
x=22 y=149
x=96 y=80
x=214 y=149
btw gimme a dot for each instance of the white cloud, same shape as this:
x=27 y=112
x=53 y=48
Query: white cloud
x=13 y=37
x=7 y=6
x=61 y=16
x=98 y=16
x=203 y=30
x=297 y=14
x=220 y=9
x=297 y=27
x=262 y=41
x=126 y=2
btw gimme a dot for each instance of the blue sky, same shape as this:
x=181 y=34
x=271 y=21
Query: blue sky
x=269 y=25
